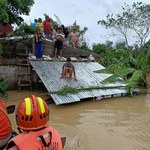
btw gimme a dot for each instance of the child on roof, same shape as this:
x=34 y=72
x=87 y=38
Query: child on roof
x=58 y=45
x=68 y=69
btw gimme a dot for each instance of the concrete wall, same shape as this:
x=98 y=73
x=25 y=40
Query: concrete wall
x=9 y=47
x=9 y=72
x=68 y=51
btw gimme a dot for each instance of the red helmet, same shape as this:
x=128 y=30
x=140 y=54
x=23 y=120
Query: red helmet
x=32 y=113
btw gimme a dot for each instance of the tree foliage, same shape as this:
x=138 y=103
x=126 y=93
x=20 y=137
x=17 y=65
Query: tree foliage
x=124 y=64
x=11 y=10
x=24 y=30
x=134 y=18
x=102 y=48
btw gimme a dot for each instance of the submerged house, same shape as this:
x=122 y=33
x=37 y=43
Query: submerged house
x=20 y=69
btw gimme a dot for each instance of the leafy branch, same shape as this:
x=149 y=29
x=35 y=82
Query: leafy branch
x=71 y=90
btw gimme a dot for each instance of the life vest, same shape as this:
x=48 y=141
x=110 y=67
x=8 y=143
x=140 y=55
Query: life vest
x=45 y=139
x=5 y=124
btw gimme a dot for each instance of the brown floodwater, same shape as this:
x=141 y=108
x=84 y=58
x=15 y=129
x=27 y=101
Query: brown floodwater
x=109 y=124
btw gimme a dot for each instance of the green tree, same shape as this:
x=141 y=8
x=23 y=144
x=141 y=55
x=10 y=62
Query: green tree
x=24 y=30
x=11 y=10
x=105 y=51
x=102 y=48
x=134 y=18
x=132 y=69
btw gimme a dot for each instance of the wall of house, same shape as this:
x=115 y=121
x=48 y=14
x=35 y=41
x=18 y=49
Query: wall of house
x=9 y=72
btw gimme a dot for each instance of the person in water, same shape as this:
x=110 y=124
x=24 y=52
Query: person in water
x=68 y=69
x=5 y=125
x=32 y=116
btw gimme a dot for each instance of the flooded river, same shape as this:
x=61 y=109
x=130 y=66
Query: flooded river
x=110 y=124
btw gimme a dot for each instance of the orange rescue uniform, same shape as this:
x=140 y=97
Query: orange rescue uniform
x=44 y=139
x=5 y=126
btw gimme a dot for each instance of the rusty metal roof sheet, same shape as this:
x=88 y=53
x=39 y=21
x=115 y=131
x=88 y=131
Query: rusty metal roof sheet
x=49 y=73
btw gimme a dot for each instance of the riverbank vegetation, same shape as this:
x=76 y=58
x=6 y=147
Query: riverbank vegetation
x=133 y=65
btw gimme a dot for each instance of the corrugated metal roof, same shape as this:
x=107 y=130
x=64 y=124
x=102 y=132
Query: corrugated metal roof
x=93 y=94
x=49 y=73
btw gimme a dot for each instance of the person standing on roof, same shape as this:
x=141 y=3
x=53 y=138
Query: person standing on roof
x=58 y=45
x=38 y=44
x=68 y=69
x=47 y=27
x=32 y=116
x=5 y=125
x=74 y=37
x=34 y=24
x=66 y=33
x=54 y=32
x=40 y=26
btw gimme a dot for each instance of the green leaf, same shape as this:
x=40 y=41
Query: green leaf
x=133 y=82
x=110 y=79
x=124 y=72
x=66 y=89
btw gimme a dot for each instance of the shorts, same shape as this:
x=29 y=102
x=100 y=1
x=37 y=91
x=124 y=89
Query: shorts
x=58 y=45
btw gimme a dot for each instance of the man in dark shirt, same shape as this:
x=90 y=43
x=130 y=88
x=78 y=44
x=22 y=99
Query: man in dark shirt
x=68 y=69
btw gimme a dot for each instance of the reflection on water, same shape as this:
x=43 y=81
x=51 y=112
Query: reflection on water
x=75 y=139
x=109 y=124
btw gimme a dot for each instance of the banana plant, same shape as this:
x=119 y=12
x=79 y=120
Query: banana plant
x=132 y=70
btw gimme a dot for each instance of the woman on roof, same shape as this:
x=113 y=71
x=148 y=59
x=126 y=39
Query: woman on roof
x=47 y=27
x=38 y=44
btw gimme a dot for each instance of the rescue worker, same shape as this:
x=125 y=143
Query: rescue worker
x=5 y=125
x=32 y=118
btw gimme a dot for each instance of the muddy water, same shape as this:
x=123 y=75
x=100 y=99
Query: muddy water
x=109 y=124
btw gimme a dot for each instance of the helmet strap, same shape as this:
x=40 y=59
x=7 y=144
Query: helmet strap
x=43 y=139
x=20 y=131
